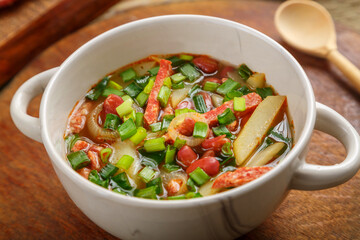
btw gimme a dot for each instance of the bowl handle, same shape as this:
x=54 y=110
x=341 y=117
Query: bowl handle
x=315 y=177
x=28 y=125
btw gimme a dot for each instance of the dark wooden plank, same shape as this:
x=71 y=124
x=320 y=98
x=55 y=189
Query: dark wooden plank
x=20 y=43
x=34 y=204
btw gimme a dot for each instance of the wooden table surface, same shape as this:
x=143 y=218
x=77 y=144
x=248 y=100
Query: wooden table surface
x=34 y=205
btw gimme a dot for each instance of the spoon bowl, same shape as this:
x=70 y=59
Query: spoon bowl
x=308 y=27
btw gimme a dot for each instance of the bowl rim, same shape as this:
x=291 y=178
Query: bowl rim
x=65 y=168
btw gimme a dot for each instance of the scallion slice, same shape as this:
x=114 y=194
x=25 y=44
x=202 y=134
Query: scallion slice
x=194 y=90
x=170 y=167
x=112 y=121
x=170 y=154
x=175 y=61
x=95 y=178
x=70 y=141
x=179 y=85
x=142 y=98
x=191 y=185
x=221 y=130
x=200 y=130
x=125 y=108
x=178 y=77
x=167 y=82
x=183 y=110
x=186 y=57
x=178 y=197
x=150 y=85
x=133 y=90
x=125 y=162
x=78 y=159
x=107 y=91
x=142 y=81
x=199 y=176
x=114 y=85
x=244 y=71
x=228 y=86
x=199 y=103
x=166 y=121
x=190 y=72
x=139 y=136
x=128 y=75
x=155 y=127
x=95 y=93
x=139 y=119
x=179 y=143
x=226 y=117
x=226 y=149
x=231 y=95
x=154 y=71
x=149 y=192
x=154 y=145
x=163 y=96
x=122 y=181
x=211 y=86
x=147 y=174
x=127 y=129
x=264 y=92
x=192 y=195
x=156 y=182
x=239 y=104
x=105 y=154
x=108 y=171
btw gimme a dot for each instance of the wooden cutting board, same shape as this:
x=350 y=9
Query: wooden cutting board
x=34 y=205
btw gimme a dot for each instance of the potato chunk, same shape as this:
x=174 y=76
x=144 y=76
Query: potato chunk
x=257 y=126
x=264 y=156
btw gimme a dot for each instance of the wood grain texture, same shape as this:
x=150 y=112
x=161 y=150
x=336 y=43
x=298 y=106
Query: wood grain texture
x=34 y=204
x=19 y=46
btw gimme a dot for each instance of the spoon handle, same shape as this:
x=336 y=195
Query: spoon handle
x=346 y=67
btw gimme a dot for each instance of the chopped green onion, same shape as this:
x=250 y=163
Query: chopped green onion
x=167 y=82
x=154 y=145
x=194 y=90
x=154 y=71
x=244 y=72
x=125 y=108
x=114 y=85
x=226 y=117
x=142 y=81
x=139 y=136
x=128 y=75
x=179 y=85
x=190 y=72
x=175 y=61
x=149 y=192
x=231 y=95
x=170 y=167
x=105 y=154
x=192 y=195
x=107 y=91
x=178 y=77
x=151 y=159
x=150 y=85
x=183 y=110
x=239 y=104
x=112 y=121
x=178 y=197
x=163 y=96
x=78 y=159
x=139 y=118
x=131 y=115
x=70 y=141
x=127 y=129
x=244 y=90
x=133 y=90
x=264 y=92
x=119 y=190
x=199 y=103
x=199 y=176
x=191 y=185
x=147 y=174
x=122 y=181
x=170 y=154
x=221 y=130
x=95 y=178
x=108 y=171
x=200 y=130
x=95 y=93
x=127 y=97
x=211 y=86
x=229 y=161
x=186 y=57
x=125 y=162
x=142 y=98
x=226 y=149
x=156 y=182
x=179 y=143
x=166 y=121
x=228 y=86
x=155 y=127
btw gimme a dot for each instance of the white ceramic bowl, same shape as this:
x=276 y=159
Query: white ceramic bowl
x=222 y=216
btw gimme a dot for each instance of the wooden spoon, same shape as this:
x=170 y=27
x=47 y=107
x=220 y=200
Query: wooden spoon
x=308 y=27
